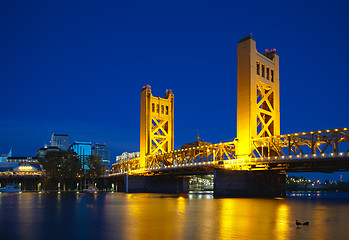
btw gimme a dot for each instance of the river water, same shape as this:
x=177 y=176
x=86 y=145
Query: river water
x=161 y=216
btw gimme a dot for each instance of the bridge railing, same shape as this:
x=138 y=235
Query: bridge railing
x=296 y=146
x=300 y=144
x=205 y=155
x=281 y=161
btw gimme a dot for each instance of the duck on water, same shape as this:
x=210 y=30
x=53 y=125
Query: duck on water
x=299 y=223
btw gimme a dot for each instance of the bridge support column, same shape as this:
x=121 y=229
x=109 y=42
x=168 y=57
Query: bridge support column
x=229 y=183
x=156 y=184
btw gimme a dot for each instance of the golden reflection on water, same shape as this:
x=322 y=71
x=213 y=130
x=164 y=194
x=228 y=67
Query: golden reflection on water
x=159 y=216
x=180 y=215
x=227 y=222
x=282 y=220
x=207 y=220
x=154 y=217
x=182 y=218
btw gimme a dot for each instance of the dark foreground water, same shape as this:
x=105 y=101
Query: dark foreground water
x=157 y=216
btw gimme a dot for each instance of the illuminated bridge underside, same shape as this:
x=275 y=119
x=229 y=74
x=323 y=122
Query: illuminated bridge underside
x=323 y=151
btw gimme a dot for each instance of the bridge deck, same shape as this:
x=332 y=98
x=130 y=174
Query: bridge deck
x=308 y=151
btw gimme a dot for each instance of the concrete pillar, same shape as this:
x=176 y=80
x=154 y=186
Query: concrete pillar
x=229 y=183
x=156 y=184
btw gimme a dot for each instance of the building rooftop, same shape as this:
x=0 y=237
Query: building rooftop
x=87 y=143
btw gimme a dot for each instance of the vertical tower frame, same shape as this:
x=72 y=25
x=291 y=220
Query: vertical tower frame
x=258 y=102
x=157 y=124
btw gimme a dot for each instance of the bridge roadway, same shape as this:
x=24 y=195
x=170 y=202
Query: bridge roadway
x=326 y=163
x=316 y=151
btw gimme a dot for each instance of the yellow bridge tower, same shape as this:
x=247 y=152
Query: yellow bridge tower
x=258 y=105
x=157 y=122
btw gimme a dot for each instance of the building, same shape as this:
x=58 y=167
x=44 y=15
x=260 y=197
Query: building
x=60 y=140
x=8 y=166
x=15 y=169
x=102 y=150
x=23 y=159
x=126 y=156
x=42 y=151
x=84 y=150
x=4 y=157
x=20 y=166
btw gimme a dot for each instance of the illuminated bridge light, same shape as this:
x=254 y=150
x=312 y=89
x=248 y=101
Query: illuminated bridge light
x=336 y=129
x=341 y=154
x=345 y=129
x=319 y=131
x=303 y=133
x=327 y=130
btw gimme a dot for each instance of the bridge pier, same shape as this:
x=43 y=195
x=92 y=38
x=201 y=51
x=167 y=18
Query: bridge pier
x=229 y=183
x=154 y=184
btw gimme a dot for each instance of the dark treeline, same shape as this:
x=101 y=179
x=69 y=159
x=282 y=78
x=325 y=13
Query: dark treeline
x=64 y=169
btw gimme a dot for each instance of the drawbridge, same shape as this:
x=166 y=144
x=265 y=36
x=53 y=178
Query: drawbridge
x=259 y=144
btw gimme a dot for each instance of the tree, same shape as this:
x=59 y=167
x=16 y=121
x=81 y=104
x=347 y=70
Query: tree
x=50 y=163
x=95 y=166
x=60 y=166
x=70 y=165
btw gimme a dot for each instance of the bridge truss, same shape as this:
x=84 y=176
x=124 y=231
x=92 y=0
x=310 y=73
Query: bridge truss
x=325 y=151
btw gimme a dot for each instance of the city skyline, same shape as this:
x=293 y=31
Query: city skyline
x=80 y=69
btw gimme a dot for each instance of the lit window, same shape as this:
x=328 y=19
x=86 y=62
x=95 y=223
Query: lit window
x=258 y=65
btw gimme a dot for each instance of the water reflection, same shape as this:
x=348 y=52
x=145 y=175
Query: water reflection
x=282 y=222
x=159 y=216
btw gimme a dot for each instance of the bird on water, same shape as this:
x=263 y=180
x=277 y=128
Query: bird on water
x=299 y=223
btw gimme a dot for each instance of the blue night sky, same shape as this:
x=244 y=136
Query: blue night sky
x=79 y=67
